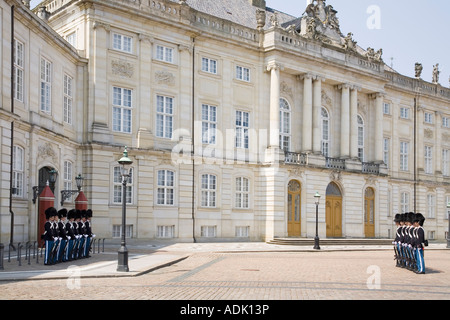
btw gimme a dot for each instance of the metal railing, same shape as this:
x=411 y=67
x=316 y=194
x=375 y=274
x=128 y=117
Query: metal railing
x=335 y=163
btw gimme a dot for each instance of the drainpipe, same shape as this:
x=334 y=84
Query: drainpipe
x=193 y=139
x=11 y=240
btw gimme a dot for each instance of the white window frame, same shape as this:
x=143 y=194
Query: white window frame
x=117 y=231
x=18 y=171
x=242 y=123
x=165 y=54
x=68 y=98
x=117 y=185
x=164 y=116
x=209 y=65
x=404 y=156
x=404 y=202
x=45 y=104
x=431 y=206
x=242 y=231
x=165 y=187
x=165 y=232
x=122 y=42
x=285 y=125
x=446 y=162
x=428 y=159
x=325 y=131
x=386 y=108
x=242 y=193
x=19 y=70
x=209 y=124
x=209 y=190
x=243 y=73
x=361 y=132
x=428 y=118
x=386 y=150
x=404 y=112
x=208 y=231
x=72 y=39
x=122 y=109
x=446 y=122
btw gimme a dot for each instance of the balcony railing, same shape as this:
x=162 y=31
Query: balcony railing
x=335 y=163
x=370 y=168
x=295 y=158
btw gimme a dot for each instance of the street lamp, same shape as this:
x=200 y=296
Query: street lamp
x=38 y=189
x=316 y=238
x=123 y=252
x=65 y=194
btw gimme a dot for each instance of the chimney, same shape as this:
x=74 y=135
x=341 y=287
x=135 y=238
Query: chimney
x=258 y=3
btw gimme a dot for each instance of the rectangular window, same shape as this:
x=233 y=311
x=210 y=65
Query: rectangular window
x=431 y=206
x=387 y=108
x=18 y=171
x=242 y=126
x=404 y=202
x=208 y=231
x=164 y=117
x=209 y=65
x=117 y=231
x=165 y=187
x=404 y=153
x=117 y=185
x=67 y=175
x=242 y=232
x=122 y=106
x=164 y=54
x=404 y=113
x=19 y=66
x=209 y=124
x=122 y=43
x=242 y=193
x=243 y=73
x=68 y=99
x=446 y=122
x=72 y=39
x=209 y=187
x=428 y=117
x=447 y=208
x=166 y=231
x=46 y=86
x=446 y=162
x=386 y=147
x=428 y=160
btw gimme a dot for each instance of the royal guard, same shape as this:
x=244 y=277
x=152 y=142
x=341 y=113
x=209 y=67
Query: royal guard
x=89 y=233
x=62 y=215
x=77 y=233
x=396 y=243
x=68 y=255
x=48 y=234
x=420 y=243
x=82 y=232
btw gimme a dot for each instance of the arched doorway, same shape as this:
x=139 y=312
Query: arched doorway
x=333 y=211
x=294 y=223
x=369 y=213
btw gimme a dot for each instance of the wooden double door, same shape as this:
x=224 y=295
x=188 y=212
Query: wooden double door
x=333 y=211
x=294 y=212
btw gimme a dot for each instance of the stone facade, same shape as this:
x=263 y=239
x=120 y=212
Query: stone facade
x=202 y=93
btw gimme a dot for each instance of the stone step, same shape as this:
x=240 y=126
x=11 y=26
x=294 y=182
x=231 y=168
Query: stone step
x=331 y=242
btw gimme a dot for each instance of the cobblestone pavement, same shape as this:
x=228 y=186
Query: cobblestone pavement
x=340 y=275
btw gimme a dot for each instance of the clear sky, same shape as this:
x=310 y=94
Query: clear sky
x=408 y=31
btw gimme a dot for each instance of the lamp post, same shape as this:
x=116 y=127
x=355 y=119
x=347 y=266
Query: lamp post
x=316 y=238
x=65 y=194
x=123 y=252
x=448 y=232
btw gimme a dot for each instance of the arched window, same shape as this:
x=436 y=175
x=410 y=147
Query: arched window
x=325 y=120
x=360 y=138
x=285 y=125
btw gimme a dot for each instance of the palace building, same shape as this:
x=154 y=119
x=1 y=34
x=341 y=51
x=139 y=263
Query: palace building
x=234 y=115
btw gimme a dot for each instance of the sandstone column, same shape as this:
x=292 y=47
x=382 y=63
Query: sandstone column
x=274 y=140
x=307 y=113
x=354 y=122
x=379 y=127
x=317 y=108
x=345 y=121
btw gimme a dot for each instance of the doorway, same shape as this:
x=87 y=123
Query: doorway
x=294 y=221
x=369 y=213
x=333 y=211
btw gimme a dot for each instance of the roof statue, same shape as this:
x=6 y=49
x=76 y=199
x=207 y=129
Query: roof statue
x=320 y=22
x=418 y=69
x=436 y=73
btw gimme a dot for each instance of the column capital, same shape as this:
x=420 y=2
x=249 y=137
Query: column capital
x=273 y=65
x=307 y=75
x=343 y=86
x=319 y=78
x=355 y=87
x=98 y=24
x=377 y=95
x=146 y=37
